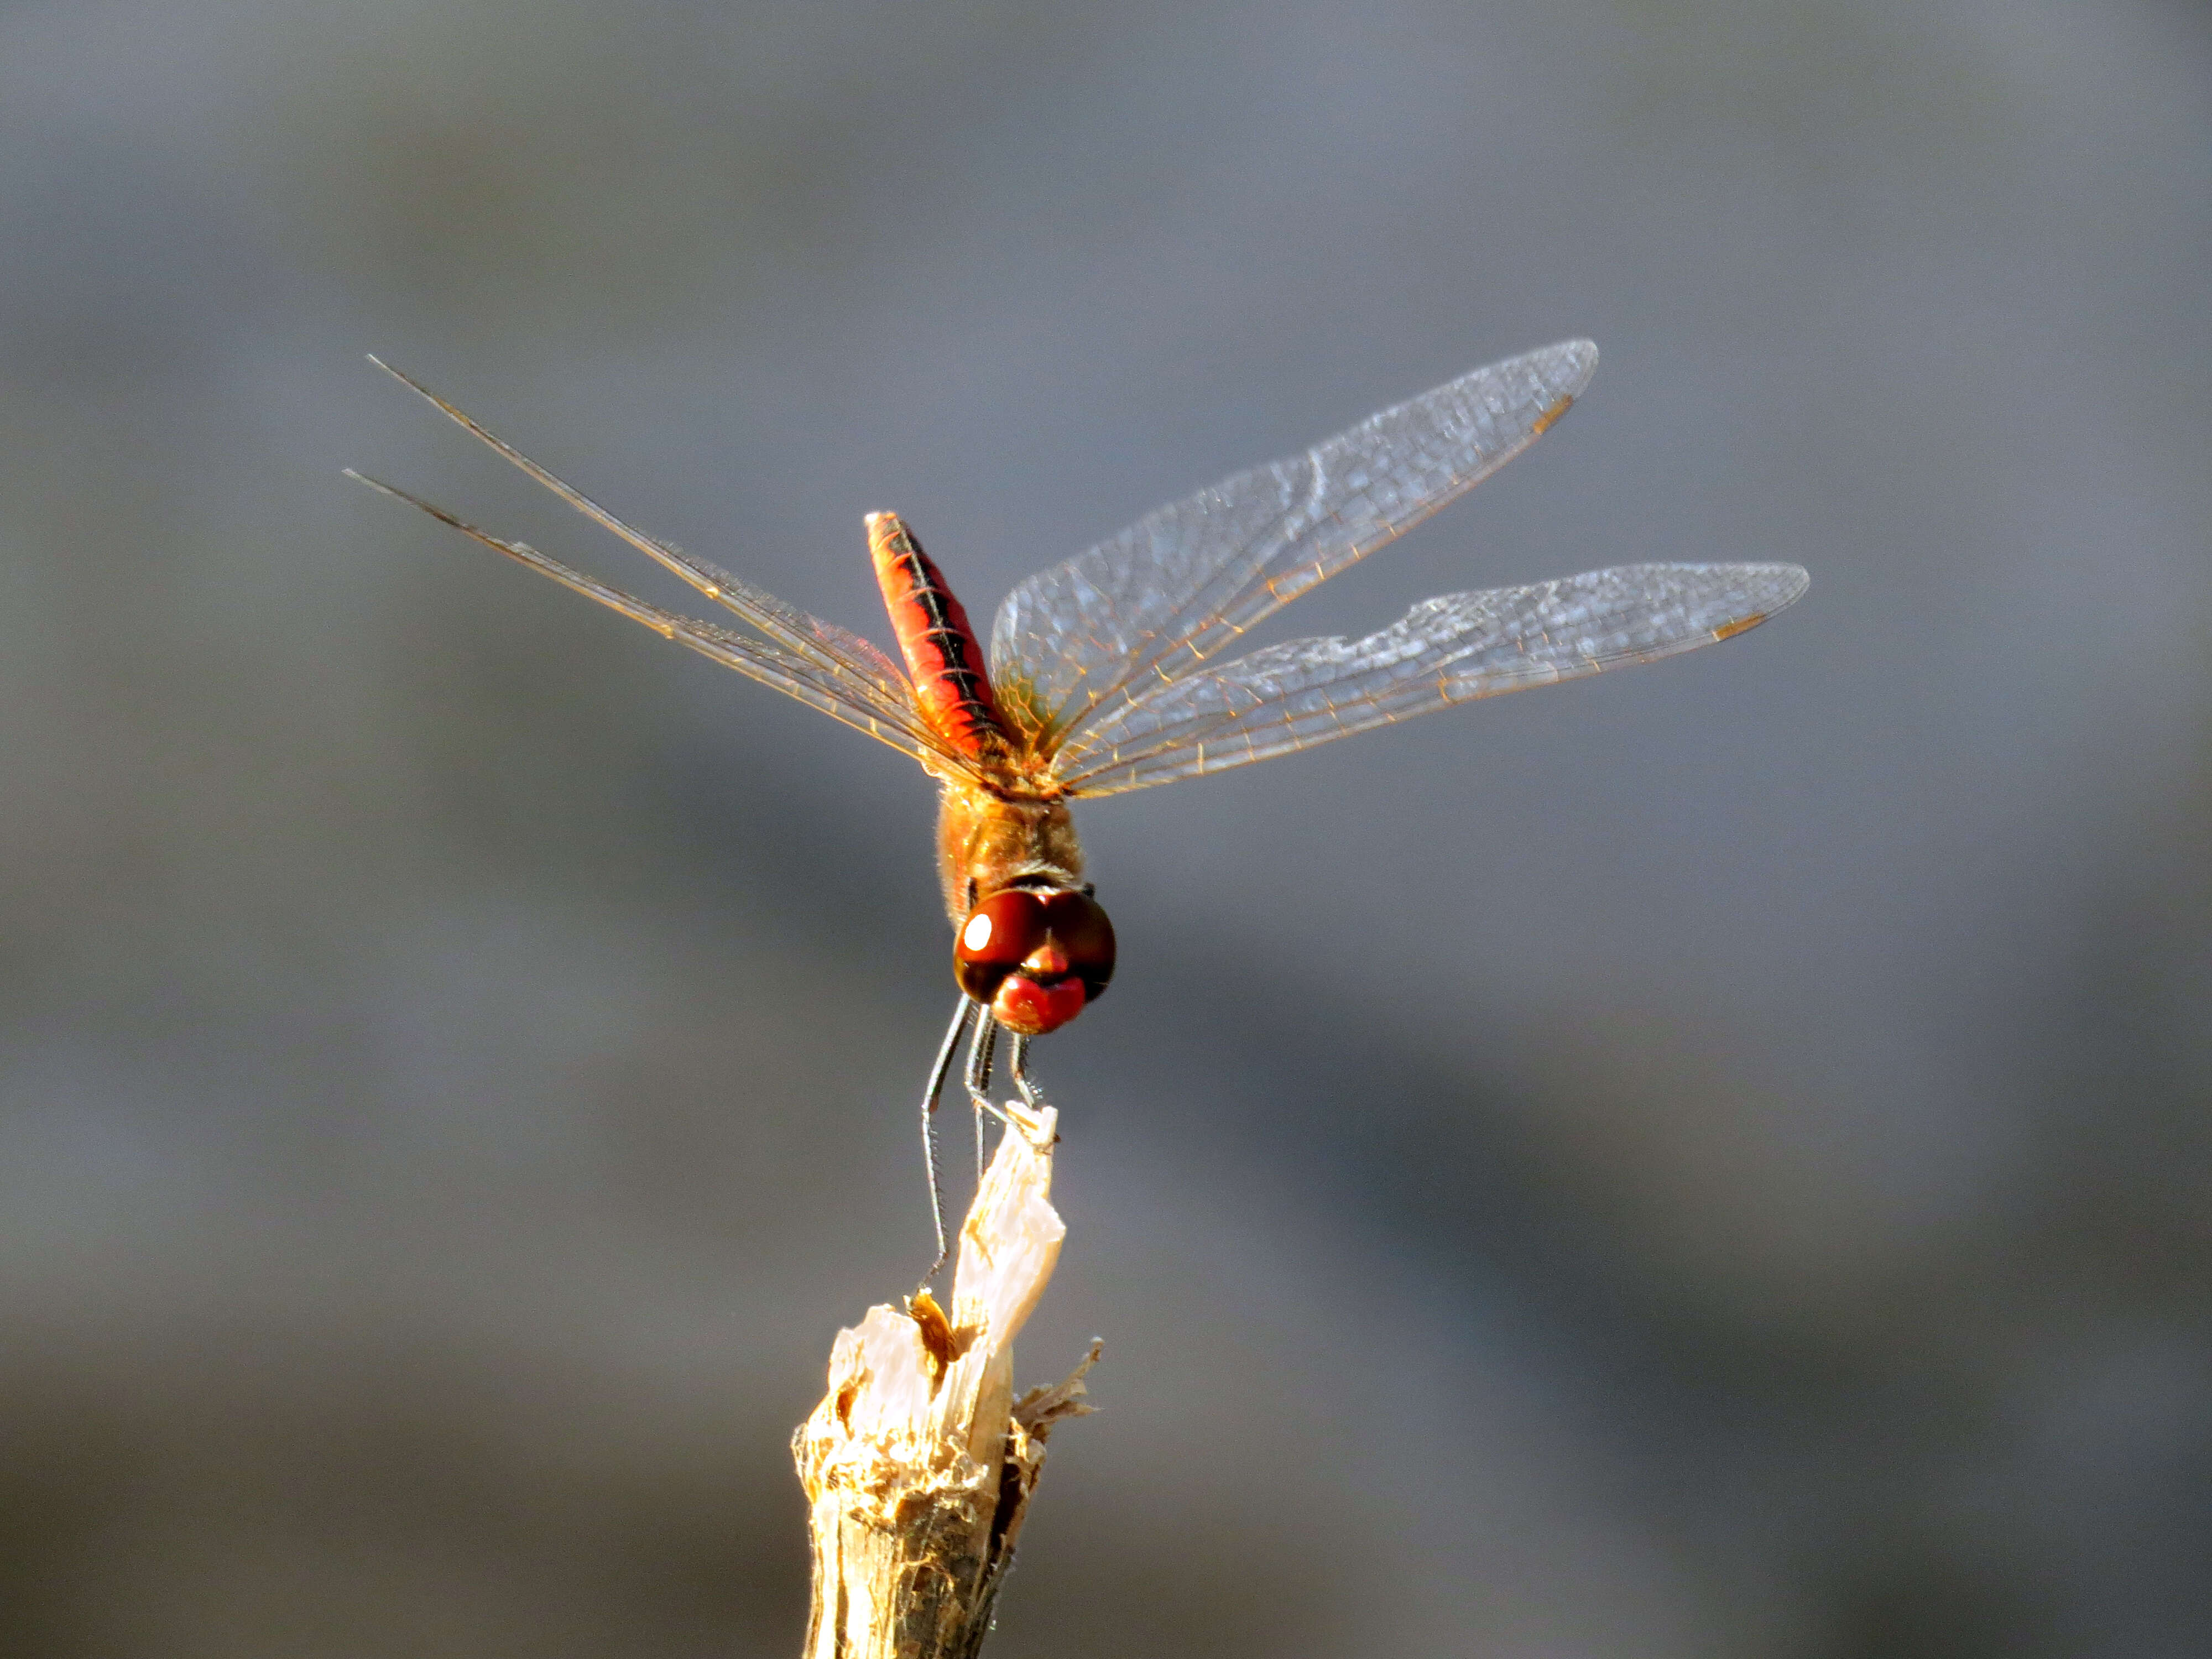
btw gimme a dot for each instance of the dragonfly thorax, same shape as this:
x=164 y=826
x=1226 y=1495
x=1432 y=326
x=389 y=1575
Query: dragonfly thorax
x=987 y=842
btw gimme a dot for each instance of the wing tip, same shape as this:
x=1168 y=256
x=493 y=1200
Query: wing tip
x=1578 y=358
x=1564 y=372
x=413 y=384
x=1786 y=586
x=377 y=484
x=1790 y=582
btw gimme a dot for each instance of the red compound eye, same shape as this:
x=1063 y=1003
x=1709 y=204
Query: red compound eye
x=1047 y=937
x=998 y=936
x=1079 y=925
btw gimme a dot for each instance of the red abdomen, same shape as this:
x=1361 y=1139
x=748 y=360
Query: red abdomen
x=941 y=650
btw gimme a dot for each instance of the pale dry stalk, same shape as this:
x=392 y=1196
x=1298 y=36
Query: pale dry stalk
x=919 y=1463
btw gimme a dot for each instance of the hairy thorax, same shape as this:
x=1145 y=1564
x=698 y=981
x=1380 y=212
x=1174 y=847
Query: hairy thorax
x=986 y=841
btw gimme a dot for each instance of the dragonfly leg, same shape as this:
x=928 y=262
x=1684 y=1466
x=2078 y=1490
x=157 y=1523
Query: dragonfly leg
x=937 y=1076
x=980 y=1053
x=979 y=1143
x=1018 y=1066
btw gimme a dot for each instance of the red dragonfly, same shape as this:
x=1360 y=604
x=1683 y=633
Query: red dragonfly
x=1123 y=667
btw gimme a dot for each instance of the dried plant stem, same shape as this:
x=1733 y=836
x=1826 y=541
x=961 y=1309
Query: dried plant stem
x=919 y=1463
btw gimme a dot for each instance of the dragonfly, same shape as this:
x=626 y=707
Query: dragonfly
x=1129 y=665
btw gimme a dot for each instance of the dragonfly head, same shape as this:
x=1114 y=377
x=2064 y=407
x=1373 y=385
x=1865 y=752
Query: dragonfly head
x=1034 y=956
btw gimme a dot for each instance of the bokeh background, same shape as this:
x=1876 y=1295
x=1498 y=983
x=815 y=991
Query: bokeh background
x=1713 y=1160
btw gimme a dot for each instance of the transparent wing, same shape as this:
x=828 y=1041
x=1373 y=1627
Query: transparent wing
x=1444 y=651
x=1076 y=642
x=894 y=723
x=859 y=673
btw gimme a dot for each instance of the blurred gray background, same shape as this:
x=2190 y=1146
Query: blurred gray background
x=1710 y=1160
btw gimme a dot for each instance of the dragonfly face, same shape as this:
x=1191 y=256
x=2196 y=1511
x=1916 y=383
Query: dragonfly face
x=1034 y=958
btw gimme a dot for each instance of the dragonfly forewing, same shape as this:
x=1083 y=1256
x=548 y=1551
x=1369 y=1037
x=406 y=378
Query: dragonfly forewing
x=1444 y=651
x=850 y=696
x=1075 y=643
x=863 y=673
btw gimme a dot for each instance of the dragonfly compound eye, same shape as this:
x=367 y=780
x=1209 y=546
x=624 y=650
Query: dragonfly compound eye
x=1000 y=934
x=1079 y=925
x=1036 y=958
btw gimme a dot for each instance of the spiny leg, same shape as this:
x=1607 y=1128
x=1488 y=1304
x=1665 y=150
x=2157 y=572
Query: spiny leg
x=1018 y=1066
x=937 y=1076
x=978 y=1110
x=980 y=1052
